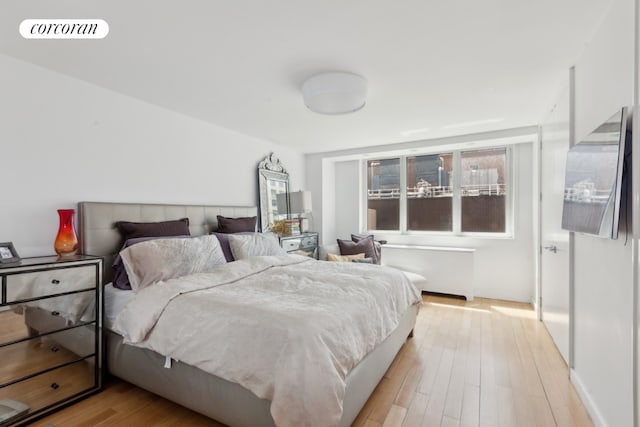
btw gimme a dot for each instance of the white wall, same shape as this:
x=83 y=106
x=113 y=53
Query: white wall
x=603 y=352
x=347 y=196
x=63 y=141
x=503 y=268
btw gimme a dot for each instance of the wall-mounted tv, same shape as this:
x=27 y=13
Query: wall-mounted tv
x=595 y=178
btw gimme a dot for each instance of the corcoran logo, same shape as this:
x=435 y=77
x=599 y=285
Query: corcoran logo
x=64 y=29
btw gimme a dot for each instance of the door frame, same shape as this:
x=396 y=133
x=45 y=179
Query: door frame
x=538 y=232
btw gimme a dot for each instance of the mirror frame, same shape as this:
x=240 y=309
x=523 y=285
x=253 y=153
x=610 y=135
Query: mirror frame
x=270 y=170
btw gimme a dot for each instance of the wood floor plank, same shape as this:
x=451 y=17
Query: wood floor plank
x=470 y=415
x=435 y=408
x=480 y=363
x=506 y=407
x=387 y=392
x=416 y=410
x=409 y=386
x=449 y=422
x=395 y=417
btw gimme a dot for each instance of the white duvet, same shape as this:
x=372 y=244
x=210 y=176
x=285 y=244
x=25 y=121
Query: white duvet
x=287 y=328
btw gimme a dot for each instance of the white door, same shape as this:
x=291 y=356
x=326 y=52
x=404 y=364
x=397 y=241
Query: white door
x=554 y=259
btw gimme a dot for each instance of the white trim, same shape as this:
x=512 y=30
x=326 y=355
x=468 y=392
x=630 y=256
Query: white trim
x=537 y=235
x=504 y=137
x=427 y=248
x=572 y=235
x=587 y=400
x=513 y=182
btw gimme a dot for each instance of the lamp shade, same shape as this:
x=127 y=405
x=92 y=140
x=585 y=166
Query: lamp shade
x=334 y=92
x=282 y=202
x=300 y=201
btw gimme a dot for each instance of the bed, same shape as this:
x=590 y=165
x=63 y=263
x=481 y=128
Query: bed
x=215 y=397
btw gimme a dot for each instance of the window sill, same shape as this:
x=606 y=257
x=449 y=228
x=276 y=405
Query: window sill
x=427 y=248
x=440 y=234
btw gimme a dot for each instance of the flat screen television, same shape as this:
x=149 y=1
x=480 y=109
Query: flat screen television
x=598 y=168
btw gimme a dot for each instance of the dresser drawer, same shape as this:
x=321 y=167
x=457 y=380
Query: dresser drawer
x=41 y=353
x=299 y=243
x=291 y=244
x=310 y=241
x=310 y=252
x=51 y=282
x=53 y=387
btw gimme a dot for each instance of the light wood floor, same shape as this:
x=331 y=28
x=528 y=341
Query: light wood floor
x=484 y=363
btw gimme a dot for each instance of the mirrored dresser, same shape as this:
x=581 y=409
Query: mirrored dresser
x=51 y=344
x=301 y=244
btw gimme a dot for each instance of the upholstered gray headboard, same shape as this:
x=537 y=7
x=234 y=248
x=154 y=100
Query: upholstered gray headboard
x=98 y=234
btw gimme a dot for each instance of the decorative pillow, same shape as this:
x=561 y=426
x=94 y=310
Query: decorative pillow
x=224 y=244
x=131 y=230
x=120 y=278
x=377 y=249
x=345 y=258
x=363 y=260
x=163 y=259
x=348 y=247
x=244 y=246
x=236 y=225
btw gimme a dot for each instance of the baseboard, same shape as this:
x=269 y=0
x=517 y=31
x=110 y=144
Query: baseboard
x=587 y=401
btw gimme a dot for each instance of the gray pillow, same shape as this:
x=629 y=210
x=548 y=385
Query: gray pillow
x=365 y=246
x=363 y=260
x=131 y=230
x=236 y=225
x=377 y=248
x=162 y=259
x=120 y=278
x=255 y=244
x=224 y=243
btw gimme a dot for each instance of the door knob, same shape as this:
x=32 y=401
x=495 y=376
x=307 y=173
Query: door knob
x=552 y=248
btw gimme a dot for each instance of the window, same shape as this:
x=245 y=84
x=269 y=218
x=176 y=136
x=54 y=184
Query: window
x=454 y=192
x=383 y=198
x=429 y=193
x=483 y=191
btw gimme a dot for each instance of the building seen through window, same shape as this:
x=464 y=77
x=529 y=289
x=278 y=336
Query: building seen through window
x=383 y=183
x=431 y=192
x=483 y=191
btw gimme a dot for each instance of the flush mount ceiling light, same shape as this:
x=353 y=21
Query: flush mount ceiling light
x=334 y=92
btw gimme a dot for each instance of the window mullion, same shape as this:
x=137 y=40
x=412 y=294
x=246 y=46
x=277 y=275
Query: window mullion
x=456 y=186
x=403 y=194
x=510 y=184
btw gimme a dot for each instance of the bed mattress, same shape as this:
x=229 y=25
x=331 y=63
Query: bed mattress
x=114 y=302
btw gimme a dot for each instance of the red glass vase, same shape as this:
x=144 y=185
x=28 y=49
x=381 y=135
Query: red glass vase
x=66 y=243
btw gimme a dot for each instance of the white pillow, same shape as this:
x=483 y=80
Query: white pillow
x=244 y=246
x=152 y=261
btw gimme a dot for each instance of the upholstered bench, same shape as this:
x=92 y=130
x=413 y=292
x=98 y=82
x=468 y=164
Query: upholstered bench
x=418 y=280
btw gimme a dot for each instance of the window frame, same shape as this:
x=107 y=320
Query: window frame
x=456 y=202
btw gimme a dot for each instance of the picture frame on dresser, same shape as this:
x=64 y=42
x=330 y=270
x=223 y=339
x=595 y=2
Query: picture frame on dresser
x=8 y=253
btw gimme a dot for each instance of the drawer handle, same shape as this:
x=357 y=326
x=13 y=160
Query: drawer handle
x=55 y=349
x=55 y=281
x=55 y=386
x=55 y=313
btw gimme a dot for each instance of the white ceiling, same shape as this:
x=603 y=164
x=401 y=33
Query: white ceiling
x=434 y=69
